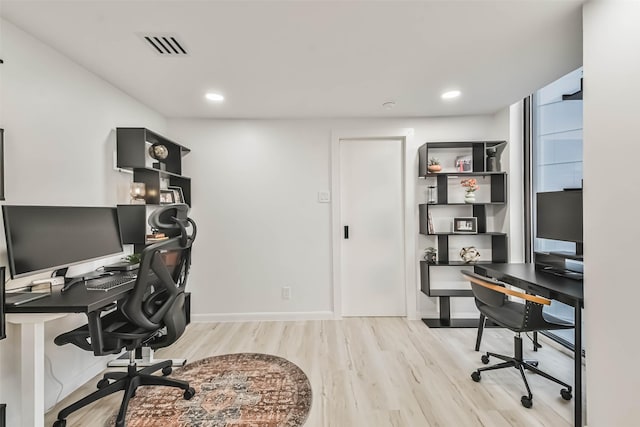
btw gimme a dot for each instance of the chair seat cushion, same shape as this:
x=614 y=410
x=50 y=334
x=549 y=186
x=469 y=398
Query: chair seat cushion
x=116 y=334
x=511 y=315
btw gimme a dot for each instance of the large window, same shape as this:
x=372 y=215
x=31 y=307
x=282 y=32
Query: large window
x=556 y=164
x=556 y=145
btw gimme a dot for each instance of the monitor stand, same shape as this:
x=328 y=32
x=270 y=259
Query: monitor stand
x=556 y=263
x=71 y=281
x=568 y=255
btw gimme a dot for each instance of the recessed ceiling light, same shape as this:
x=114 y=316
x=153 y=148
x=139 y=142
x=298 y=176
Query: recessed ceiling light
x=451 y=94
x=214 y=97
x=388 y=105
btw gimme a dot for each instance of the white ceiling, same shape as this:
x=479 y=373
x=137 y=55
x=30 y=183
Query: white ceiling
x=316 y=58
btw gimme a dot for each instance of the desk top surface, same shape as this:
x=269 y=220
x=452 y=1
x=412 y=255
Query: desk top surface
x=527 y=277
x=76 y=299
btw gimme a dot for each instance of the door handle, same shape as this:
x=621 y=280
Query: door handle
x=346 y=231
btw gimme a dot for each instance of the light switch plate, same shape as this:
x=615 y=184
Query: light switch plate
x=324 y=196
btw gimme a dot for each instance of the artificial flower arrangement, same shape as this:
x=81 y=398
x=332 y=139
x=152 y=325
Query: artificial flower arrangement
x=470 y=184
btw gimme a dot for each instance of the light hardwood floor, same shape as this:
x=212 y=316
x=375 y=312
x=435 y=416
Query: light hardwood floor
x=382 y=372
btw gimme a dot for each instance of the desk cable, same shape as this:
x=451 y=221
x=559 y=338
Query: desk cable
x=54 y=378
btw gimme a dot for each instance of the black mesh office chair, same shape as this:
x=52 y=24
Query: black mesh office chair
x=492 y=300
x=152 y=314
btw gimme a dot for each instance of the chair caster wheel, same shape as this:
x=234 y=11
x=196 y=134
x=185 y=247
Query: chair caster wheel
x=189 y=393
x=60 y=423
x=485 y=359
x=475 y=376
x=103 y=383
x=167 y=370
x=526 y=401
x=566 y=394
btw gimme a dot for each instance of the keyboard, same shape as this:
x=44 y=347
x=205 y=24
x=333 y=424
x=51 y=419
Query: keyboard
x=111 y=282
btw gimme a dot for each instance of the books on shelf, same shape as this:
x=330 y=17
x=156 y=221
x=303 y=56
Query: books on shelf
x=156 y=237
x=430 y=224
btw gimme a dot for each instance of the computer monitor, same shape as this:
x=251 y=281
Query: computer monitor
x=559 y=215
x=43 y=238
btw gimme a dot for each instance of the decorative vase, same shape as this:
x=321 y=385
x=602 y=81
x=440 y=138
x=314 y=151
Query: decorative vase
x=434 y=168
x=470 y=197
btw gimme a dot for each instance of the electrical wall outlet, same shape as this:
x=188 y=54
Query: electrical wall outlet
x=286 y=292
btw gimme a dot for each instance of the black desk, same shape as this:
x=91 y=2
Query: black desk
x=76 y=299
x=31 y=317
x=568 y=291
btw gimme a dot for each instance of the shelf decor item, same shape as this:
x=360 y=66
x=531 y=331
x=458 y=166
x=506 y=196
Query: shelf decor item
x=137 y=191
x=430 y=255
x=434 y=165
x=431 y=229
x=464 y=163
x=492 y=160
x=158 y=151
x=469 y=254
x=167 y=197
x=178 y=197
x=431 y=194
x=465 y=225
x=471 y=185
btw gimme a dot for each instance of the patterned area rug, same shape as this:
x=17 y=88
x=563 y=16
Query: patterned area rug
x=234 y=390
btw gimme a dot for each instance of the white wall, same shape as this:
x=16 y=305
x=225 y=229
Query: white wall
x=611 y=138
x=513 y=161
x=59 y=123
x=255 y=184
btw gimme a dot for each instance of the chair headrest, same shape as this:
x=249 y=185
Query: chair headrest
x=169 y=218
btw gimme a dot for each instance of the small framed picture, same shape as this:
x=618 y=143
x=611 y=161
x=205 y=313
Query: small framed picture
x=178 y=196
x=465 y=225
x=464 y=163
x=167 y=197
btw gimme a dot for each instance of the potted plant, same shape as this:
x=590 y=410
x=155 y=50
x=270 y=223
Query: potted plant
x=470 y=185
x=431 y=255
x=434 y=165
x=133 y=258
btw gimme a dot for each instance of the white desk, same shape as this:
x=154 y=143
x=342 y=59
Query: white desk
x=32 y=364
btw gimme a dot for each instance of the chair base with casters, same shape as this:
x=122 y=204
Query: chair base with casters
x=493 y=302
x=129 y=381
x=520 y=364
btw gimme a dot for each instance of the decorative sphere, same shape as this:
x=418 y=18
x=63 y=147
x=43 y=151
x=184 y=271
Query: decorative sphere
x=469 y=254
x=158 y=151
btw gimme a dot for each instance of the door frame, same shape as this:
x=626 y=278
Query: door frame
x=405 y=136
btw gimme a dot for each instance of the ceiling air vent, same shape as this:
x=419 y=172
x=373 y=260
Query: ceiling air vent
x=165 y=44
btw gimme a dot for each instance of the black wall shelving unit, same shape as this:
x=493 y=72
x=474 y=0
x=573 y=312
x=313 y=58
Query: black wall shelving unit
x=499 y=247
x=132 y=153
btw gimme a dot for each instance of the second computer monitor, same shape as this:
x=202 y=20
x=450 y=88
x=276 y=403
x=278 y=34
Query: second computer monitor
x=44 y=238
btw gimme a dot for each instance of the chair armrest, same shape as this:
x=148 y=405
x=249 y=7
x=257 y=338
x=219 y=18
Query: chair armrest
x=487 y=283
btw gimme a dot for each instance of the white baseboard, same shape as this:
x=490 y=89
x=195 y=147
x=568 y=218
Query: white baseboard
x=267 y=316
x=432 y=315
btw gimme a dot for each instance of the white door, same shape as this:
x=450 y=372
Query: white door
x=371 y=206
